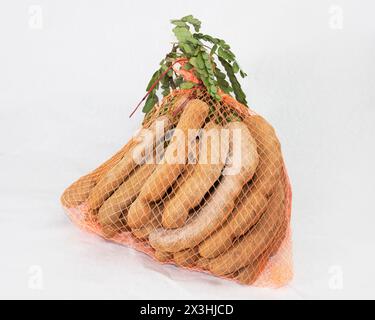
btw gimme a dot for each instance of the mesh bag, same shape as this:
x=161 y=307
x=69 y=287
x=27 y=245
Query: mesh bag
x=201 y=185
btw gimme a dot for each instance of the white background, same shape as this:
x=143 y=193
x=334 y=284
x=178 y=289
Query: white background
x=69 y=81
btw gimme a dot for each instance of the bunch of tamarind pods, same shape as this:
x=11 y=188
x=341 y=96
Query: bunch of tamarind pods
x=227 y=215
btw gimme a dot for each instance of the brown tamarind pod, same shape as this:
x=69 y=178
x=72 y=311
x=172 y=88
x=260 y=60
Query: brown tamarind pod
x=147 y=140
x=163 y=256
x=78 y=191
x=111 y=210
x=206 y=172
x=186 y=258
x=173 y=163
x=250 y=273
x=249 y=247
x=253 y=200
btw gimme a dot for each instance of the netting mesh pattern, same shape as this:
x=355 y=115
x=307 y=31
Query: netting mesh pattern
x=201 y=185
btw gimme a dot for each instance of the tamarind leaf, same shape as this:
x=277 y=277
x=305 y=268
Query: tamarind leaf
x=237 y=90
x=165 y=85
x=152 y=99
x=178 y=81
x=207 y=38
x=219 y=74
x=200 y=62
x=224 y=85
x=187 y=48
x=222 y=82
x=187 y=85
x=179 y=23
x=223 y=44
x=193 y=21
x=201 y=50
x=225 y=54
x=235 y=67
x=184 y=35
x=193 y=61
x=154 y=77
x=213 y=50
x=188 y=66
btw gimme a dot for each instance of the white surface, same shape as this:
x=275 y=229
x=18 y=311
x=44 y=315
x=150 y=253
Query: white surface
x=65 y=94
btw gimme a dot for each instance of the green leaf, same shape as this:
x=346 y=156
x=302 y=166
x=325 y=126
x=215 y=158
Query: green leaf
x=187 y=48
x=239 y=94
x=243 y=74
x=224 y=54
x=187 y=66
x=200 y=62
x=184 y=35
x=193 y=61
x=193 y=21
x=178 y=81
x=213 y=50
x=207 y=38
x=187 y=85
x=222 y=82
x=223 y=44
x=213 y=89
x=152 y=99
x=219 y=74
x=235 y=67
x=154 y=77
x=224 y=85
x=179 y=23
x=165 y=84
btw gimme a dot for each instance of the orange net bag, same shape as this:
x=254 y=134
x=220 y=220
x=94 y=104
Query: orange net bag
x=202 y=185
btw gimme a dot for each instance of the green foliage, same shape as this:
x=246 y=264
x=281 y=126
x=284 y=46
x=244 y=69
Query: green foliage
x=202 y=52
x=187 y=85
x=237 y=90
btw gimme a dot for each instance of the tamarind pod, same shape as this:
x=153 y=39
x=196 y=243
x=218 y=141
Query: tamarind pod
x=242 y=219
x=144 y=232
x=206 y=172
x=253 y=243
x=270 y=157
x=147 y=139
x=186 y=258
x=112 y=208
x=109 y=231
x=253 y=200
x=163 y=256
x=192 y=118
x=155 y=221
x=203 y=263
x=79 y=190
x=180 y=103
x=168 y=171
x=250 y=273
x=220 y=205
